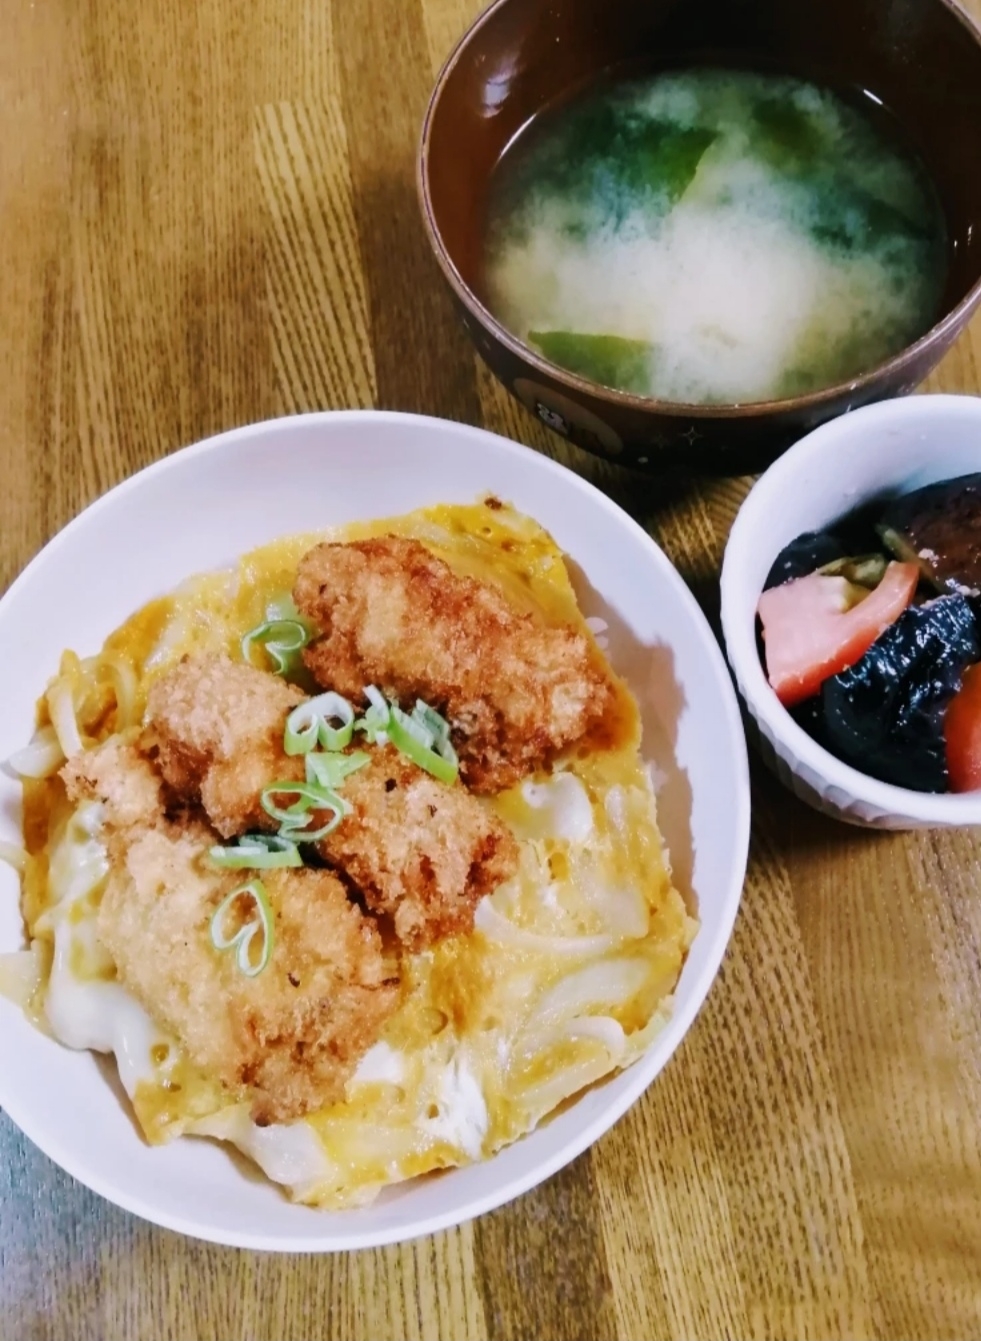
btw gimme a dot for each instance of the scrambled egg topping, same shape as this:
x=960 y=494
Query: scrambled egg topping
x=565 y=977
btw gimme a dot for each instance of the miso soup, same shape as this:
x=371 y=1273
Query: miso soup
x=713 y=236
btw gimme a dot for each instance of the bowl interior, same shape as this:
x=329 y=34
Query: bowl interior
x=874 y=453
x=199 y=510
x=921 y=59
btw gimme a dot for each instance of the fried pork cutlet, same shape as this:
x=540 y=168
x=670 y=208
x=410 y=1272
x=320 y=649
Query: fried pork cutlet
x=516 y=690
x=115 y=773
x=288 y=1038
x=421 y=851
x=214 y=727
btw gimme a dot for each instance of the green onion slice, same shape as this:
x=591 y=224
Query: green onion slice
x=283 y=640
x=330 y=770
x=295 y=817
x=284 y=607
x=310 y=722
x=375 y=721
x=336 y=708
x=258 y=852
x=241 y=940
x=440 y=728
x=415 y=740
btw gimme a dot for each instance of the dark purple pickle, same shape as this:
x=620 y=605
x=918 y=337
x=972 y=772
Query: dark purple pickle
x=939 y=527
x=885 y=714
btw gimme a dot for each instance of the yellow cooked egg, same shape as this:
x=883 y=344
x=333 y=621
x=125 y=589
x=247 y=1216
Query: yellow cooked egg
x=568 y=972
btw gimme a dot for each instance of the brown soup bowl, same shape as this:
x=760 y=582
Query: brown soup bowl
x=920 y=59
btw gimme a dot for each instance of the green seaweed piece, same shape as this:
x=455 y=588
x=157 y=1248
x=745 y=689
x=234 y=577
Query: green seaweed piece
x=609 y=360
x=824 y=355
x=620 y=156
x=845 y=214
x=666 y=158
x=787 y=137
x=849 y=217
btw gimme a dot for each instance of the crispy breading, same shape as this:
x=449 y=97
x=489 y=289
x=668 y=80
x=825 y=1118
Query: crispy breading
x=116 y=774
x=215 y=727
x=289 y=1038
x=420 y=851
x=516 y=690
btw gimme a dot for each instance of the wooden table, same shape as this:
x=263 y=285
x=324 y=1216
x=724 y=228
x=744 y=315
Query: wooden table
x=208 y=216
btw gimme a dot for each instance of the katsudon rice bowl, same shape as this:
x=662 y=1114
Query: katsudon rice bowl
x=375 y=820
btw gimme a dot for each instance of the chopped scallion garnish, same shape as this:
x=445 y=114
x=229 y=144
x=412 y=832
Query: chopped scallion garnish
x=241 y=939
x=422 y=735
x=258 y=852
x=294 y=817
x=330 y=770
x=375 y=721
x=335 y=708
x=311 y=722
x=440 y=728
x=283 y=640
x=414 y=739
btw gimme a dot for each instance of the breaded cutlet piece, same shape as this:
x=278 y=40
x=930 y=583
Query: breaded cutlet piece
x=420 y=851
x=115 y=773
x=289 y=1038
x=214 y=728
x=516 y=690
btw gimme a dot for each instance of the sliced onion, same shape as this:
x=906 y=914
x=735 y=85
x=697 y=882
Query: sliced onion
x=125 y=687
x=20 y=976
x=496 y=927
x=14 y=855
x=61 y=705
x=566 y=1082
x=601 y=986
x=41 y=758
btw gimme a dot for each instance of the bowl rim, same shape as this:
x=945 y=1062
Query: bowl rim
x=948 y=324
x=801 y=751
x=637 y=1077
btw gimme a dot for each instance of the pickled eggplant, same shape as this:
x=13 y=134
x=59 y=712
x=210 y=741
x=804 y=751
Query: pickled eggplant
x=806 y=554
x=939 y=528
x=885 y=715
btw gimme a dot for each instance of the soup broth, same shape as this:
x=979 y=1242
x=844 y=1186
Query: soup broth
x=713 y=236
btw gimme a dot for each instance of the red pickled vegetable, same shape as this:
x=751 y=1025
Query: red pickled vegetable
x=962 y=734
x=813 y=628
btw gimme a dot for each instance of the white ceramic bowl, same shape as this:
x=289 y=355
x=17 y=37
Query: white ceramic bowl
x=198 y=510
x=892 y=447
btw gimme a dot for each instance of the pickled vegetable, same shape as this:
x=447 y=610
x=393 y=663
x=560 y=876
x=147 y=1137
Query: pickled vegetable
x=939 y=528
x=806 y=554
x=885 y=714
x=962 y=732
x=816 y=626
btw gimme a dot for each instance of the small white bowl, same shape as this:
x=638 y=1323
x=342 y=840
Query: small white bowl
x=889 y=448
x=200 y=509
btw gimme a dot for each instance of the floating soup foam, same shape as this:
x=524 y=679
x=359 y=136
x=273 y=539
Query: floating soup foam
x=713 y=236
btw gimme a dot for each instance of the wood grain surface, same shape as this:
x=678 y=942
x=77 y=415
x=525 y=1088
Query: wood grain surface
x=207 y=217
